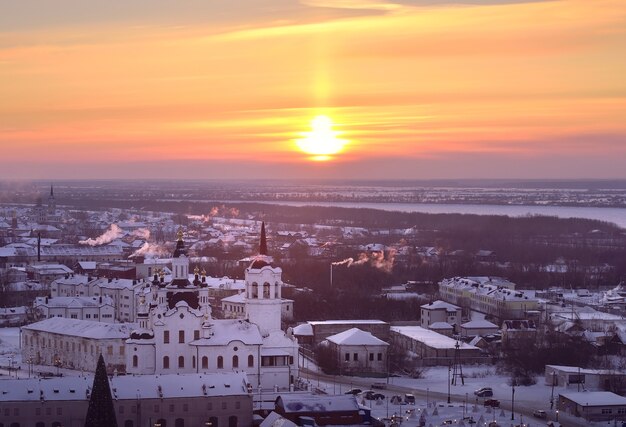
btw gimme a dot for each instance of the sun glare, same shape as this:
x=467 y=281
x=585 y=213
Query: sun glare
x=321 y=142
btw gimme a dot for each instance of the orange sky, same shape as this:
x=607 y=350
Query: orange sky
x=419 y=89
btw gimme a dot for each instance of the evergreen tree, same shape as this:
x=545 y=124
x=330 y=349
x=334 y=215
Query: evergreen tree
x=101 y=412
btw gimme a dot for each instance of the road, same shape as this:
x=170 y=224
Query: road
x=523 y=412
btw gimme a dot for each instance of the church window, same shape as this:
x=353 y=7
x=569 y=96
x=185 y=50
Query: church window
x=220 y=362
x=250 y=361
x=181 y=337
x=166 y=337
x=181 y=361
x=255 y=290
x=196 y=334
x=205 y=362
x=235 y=361
x=266 y=290
x=166 y=362
x=135 y=361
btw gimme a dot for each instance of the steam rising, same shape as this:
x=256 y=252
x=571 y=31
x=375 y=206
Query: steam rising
x=376 y=259
x=114 y=232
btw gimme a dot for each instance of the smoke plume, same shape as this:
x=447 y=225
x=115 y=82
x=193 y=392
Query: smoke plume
x=376 y=259
x=114 y=232
x=150 y=250
x=141 y=233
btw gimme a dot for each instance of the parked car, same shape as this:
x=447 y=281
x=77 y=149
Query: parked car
x=484 y=392
x=379 y=386
x=493 y=403
x=396 y=400
x=409 y=399
x=372 y=395
x=354 y=391
x=540 y=413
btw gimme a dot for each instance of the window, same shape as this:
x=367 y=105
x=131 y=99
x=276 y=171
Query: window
x=181 y=361
x=237 y=405
x=59 y=411
x=40 y=424
x=606 y=411
x=128 y=423
x=220 y=362
x=371 y=357
x=121 y=350
x=356 y=357
x=110 y=350
x=196 y=335
x=181 y=337
x=74 y=316
x=380 y=357
x=166 y=362
x=235 y=361
x=232 y=421
x=224 y=405
x=166 y=337
x=171 y=408
x=179 y=422
x=213 y=421
x=135 y=361
x=205 y=362
x=185 y=407
x=250 y=361
x=347 y=357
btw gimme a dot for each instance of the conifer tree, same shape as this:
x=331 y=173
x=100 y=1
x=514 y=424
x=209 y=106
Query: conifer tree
x=101 y=412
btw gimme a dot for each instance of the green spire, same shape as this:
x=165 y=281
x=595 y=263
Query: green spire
x=101 y=412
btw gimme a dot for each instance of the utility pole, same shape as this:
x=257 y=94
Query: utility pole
x=513 y=402
x=449 y=369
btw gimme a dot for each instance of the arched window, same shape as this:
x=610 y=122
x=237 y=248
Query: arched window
x=232 y=421
x=193 y=362
x=250 y=361
x=128 y=423
x=205 y=362
x=235 y=361
x=220 y=362
x=255 y=290
x=56 y=424
x=166 y=362
x=266 y=290
x=214 y=422
x=181 y=361
x=135 y=361
x=179 y=422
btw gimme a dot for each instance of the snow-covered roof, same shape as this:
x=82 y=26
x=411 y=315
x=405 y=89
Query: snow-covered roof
x=317 y=403
x=87 y=265
x=355 y=336
x=125 y=387
x=304 y=329
x=440 y=325
x=430 y=338
x=225 y=331
x=596 y=398
x=276 y=420
x=479 y=324
x=235 y=299
x=82 y=328
x=346 y=322
x=438 y=305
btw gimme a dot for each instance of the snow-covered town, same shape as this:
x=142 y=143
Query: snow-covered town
x=180 y=346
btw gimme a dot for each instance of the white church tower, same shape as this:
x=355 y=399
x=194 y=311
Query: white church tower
x=263 y=290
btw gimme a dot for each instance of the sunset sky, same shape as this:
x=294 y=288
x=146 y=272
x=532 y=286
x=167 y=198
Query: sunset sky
x=227 y=89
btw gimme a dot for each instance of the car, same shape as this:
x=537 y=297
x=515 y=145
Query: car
x=540 y=413
x=396 y=400
x=484 y=392
x=354 y=391
x=379 y=386
x=372 y=395
x=409 y=399
x=492 y=402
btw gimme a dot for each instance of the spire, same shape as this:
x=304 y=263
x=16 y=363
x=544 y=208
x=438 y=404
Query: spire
x=263 y=245
x=51 y=190
x=100 y=412
x=180 y=244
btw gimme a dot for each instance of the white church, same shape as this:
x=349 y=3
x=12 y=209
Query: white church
x=177 y=333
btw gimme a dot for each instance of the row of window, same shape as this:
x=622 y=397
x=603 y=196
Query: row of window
x=181 y=336
x=204 y=361
x=33 y=341
x=355 y=357
x=179 y=422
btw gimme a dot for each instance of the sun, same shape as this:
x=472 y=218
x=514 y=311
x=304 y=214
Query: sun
x=321 y=142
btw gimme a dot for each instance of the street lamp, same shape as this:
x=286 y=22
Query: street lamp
x=449 y=369
x=513 y=402
x=557 y=415
x=58 y=363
